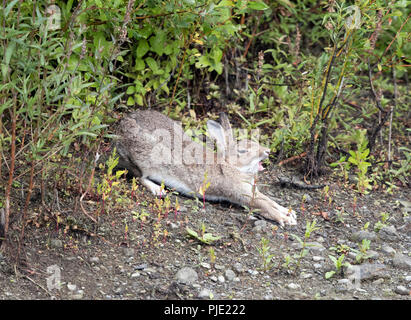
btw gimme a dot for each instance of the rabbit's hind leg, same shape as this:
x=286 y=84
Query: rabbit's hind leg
x=153 y=187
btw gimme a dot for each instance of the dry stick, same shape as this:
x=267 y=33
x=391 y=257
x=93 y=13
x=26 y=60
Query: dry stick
x=13 y=116
x=373 y=134
x=26 y=205
x=394 y=78
x=180 y=70
x=252 y=35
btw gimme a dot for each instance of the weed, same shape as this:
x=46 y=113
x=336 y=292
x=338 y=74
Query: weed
x=383 y=222
x=264 y=252
x=361 y=254
x=309 y=229
x=204 y=236
x=338 y=264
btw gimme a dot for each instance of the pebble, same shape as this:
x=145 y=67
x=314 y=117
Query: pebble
x=238 y=267
x=316 y=247
x=402 y=261
x=387 y=249
x=187 y=276
x=128 y=252
x=252 y=272
x=402 y=290
x=135 y=274
x=259 y=226
x=388 y=233
x=359 y=236
x=318 y=258
x=71 y=286
x=213 y=278
x=408 y=278
x=78 y=296
x=317 y=266
x=94 y=259
x=229 y=274
x=293 y=286
x=308 y=198
x=205 y=265
x=378 y=281
x=221 y=279
x=367 y=271
x=205 y=294
x=141 y=266
x=56 y=243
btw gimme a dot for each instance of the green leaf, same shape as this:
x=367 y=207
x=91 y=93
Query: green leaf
x=9 y=7
x=140 y=65
x=139 y=99
x=131 y=90
x=158 y=43
x=142 y=48
x=329 y=274
x=192 y=233
x=152 y=64
x=254 y=5
x=130 y=101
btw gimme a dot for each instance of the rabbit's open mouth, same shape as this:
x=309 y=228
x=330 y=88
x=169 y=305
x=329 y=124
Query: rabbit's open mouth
x=260 y=166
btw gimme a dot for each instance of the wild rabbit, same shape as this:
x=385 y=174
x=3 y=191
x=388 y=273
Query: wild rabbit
x=155 y=148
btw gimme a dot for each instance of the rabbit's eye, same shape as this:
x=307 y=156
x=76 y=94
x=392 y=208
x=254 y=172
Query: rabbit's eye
x=242 y=151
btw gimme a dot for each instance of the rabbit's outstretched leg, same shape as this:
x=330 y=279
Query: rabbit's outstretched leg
x=153 y=187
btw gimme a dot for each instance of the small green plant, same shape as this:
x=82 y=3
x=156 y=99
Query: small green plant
x=110 y=187
x=264 y=252
x=309 y=229
x=383 y=222
x=203 y=188
x=338 y=264
x=204 y=236
x=361 y=254
x=359 y=159
x=212 y=255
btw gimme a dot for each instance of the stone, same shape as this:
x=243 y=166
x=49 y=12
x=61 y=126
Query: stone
x=187 y=276
x=259 y=226
x=402 y=261
x=387 y=249
x=293 y=286
x=367 y=271
x=128 y=252
x=56 y=243
x=359 y=236
x=71 y=286
x=238 y=267
x=229 y=274
x=388 y=233
x=205 y=294
x=318 y=258
x=141 y=266
x=94 y=259
x=221 y=279
x=205 y=265
x=78 y=296
x=402 y=291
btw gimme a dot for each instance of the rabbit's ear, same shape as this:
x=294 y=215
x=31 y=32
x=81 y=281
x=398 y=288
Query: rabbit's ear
x=227 y=127
x=217 y=133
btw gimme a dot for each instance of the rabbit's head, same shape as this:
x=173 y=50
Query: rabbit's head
x=246 y=155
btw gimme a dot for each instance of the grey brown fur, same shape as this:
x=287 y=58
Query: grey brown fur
x=156 y=149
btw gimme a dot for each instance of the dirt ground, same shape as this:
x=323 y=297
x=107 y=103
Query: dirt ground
x=127 y=258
